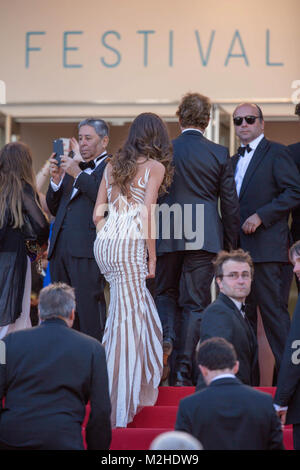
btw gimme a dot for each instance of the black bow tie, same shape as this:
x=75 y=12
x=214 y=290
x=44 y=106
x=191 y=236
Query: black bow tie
x=85 y=165
x=242 y=150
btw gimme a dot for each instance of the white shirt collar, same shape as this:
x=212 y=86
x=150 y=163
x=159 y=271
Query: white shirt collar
x=100 y=157
x=236 y=303
x=223 y=376
x=191 y=129
x=254 y=143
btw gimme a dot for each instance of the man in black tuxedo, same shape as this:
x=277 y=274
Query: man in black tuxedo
x=71 y=198
x=295 y=152
x=51 y=373
x=268 y=185
x=228 y=415
x=188 y=243
x=226 y=317
x=287 y=397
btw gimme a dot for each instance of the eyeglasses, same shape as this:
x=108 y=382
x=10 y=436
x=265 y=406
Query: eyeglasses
x=235 y=276
x=249 y=120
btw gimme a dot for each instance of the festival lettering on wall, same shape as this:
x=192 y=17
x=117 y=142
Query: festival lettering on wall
x=113 y=43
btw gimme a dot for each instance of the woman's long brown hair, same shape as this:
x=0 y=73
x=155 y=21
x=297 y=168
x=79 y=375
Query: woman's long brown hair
x=15 y=171
x=148 y=137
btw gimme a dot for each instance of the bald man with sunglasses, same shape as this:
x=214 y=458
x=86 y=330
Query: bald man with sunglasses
x=268 y=186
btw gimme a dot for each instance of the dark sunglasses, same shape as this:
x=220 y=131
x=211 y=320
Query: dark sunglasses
x=249 y=119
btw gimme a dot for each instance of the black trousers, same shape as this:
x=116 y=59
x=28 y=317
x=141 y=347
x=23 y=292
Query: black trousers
x=84 y=275
x=182 y=292
x=269 y=291
x=296 y=436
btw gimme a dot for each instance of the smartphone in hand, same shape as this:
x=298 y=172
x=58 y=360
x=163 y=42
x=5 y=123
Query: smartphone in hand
x=58 y=149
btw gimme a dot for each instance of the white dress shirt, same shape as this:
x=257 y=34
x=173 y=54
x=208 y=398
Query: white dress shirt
x=244 y=161
x=224 y=376
x=238 y=305
x=89 y=171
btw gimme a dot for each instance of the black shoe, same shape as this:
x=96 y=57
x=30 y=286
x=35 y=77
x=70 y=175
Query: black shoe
x=167 y=351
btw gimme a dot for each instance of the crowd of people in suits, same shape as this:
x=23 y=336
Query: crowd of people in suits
x=237 y=232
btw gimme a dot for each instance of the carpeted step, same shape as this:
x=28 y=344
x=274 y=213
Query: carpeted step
x=134 y=438
x=155 y=417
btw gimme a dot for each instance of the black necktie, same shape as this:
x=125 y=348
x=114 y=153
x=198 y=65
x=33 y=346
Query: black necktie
x=241 y=150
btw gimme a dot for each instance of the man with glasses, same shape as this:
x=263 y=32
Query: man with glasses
x=268 y=186
x=225 y=317
x=71 y=197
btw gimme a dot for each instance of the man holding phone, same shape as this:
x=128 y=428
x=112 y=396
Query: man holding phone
x=71 y=198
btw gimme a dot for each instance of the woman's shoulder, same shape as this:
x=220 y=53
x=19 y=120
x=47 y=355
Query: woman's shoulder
x=155 y=166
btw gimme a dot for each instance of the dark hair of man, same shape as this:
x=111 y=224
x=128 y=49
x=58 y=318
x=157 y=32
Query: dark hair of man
x=100 y=126
x=239 y=255
x=217 y=354
x=297 y=109
x=295 y=250
x=56 y=300
x=194 y=111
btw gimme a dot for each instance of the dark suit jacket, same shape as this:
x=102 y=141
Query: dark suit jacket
x=81 y=228
x=271 y=188
x=203 y=173
x=295 y=228
x=223 y=319
x=228 y=415
x=51 y=372
x=288 y=384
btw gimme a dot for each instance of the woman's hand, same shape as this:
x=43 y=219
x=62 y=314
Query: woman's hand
x=151 y=268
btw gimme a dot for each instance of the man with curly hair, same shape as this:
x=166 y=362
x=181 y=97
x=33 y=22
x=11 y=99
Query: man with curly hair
x=203 y=174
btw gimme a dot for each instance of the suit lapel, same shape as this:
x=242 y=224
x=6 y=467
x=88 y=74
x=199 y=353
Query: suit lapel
x=237 y=313
x=68 y=188
x=258 y=156
x=250 y=335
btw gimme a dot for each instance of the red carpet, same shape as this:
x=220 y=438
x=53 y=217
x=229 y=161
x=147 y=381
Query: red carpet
x=154 y=420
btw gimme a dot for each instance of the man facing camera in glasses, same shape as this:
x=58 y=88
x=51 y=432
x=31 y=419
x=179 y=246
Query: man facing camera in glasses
x=226 y=318
x=268 y=186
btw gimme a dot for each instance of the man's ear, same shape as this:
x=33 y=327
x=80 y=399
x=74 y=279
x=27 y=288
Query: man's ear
x=105 y=141
x=236 y=367
x=72 y=315
x=218 y=281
